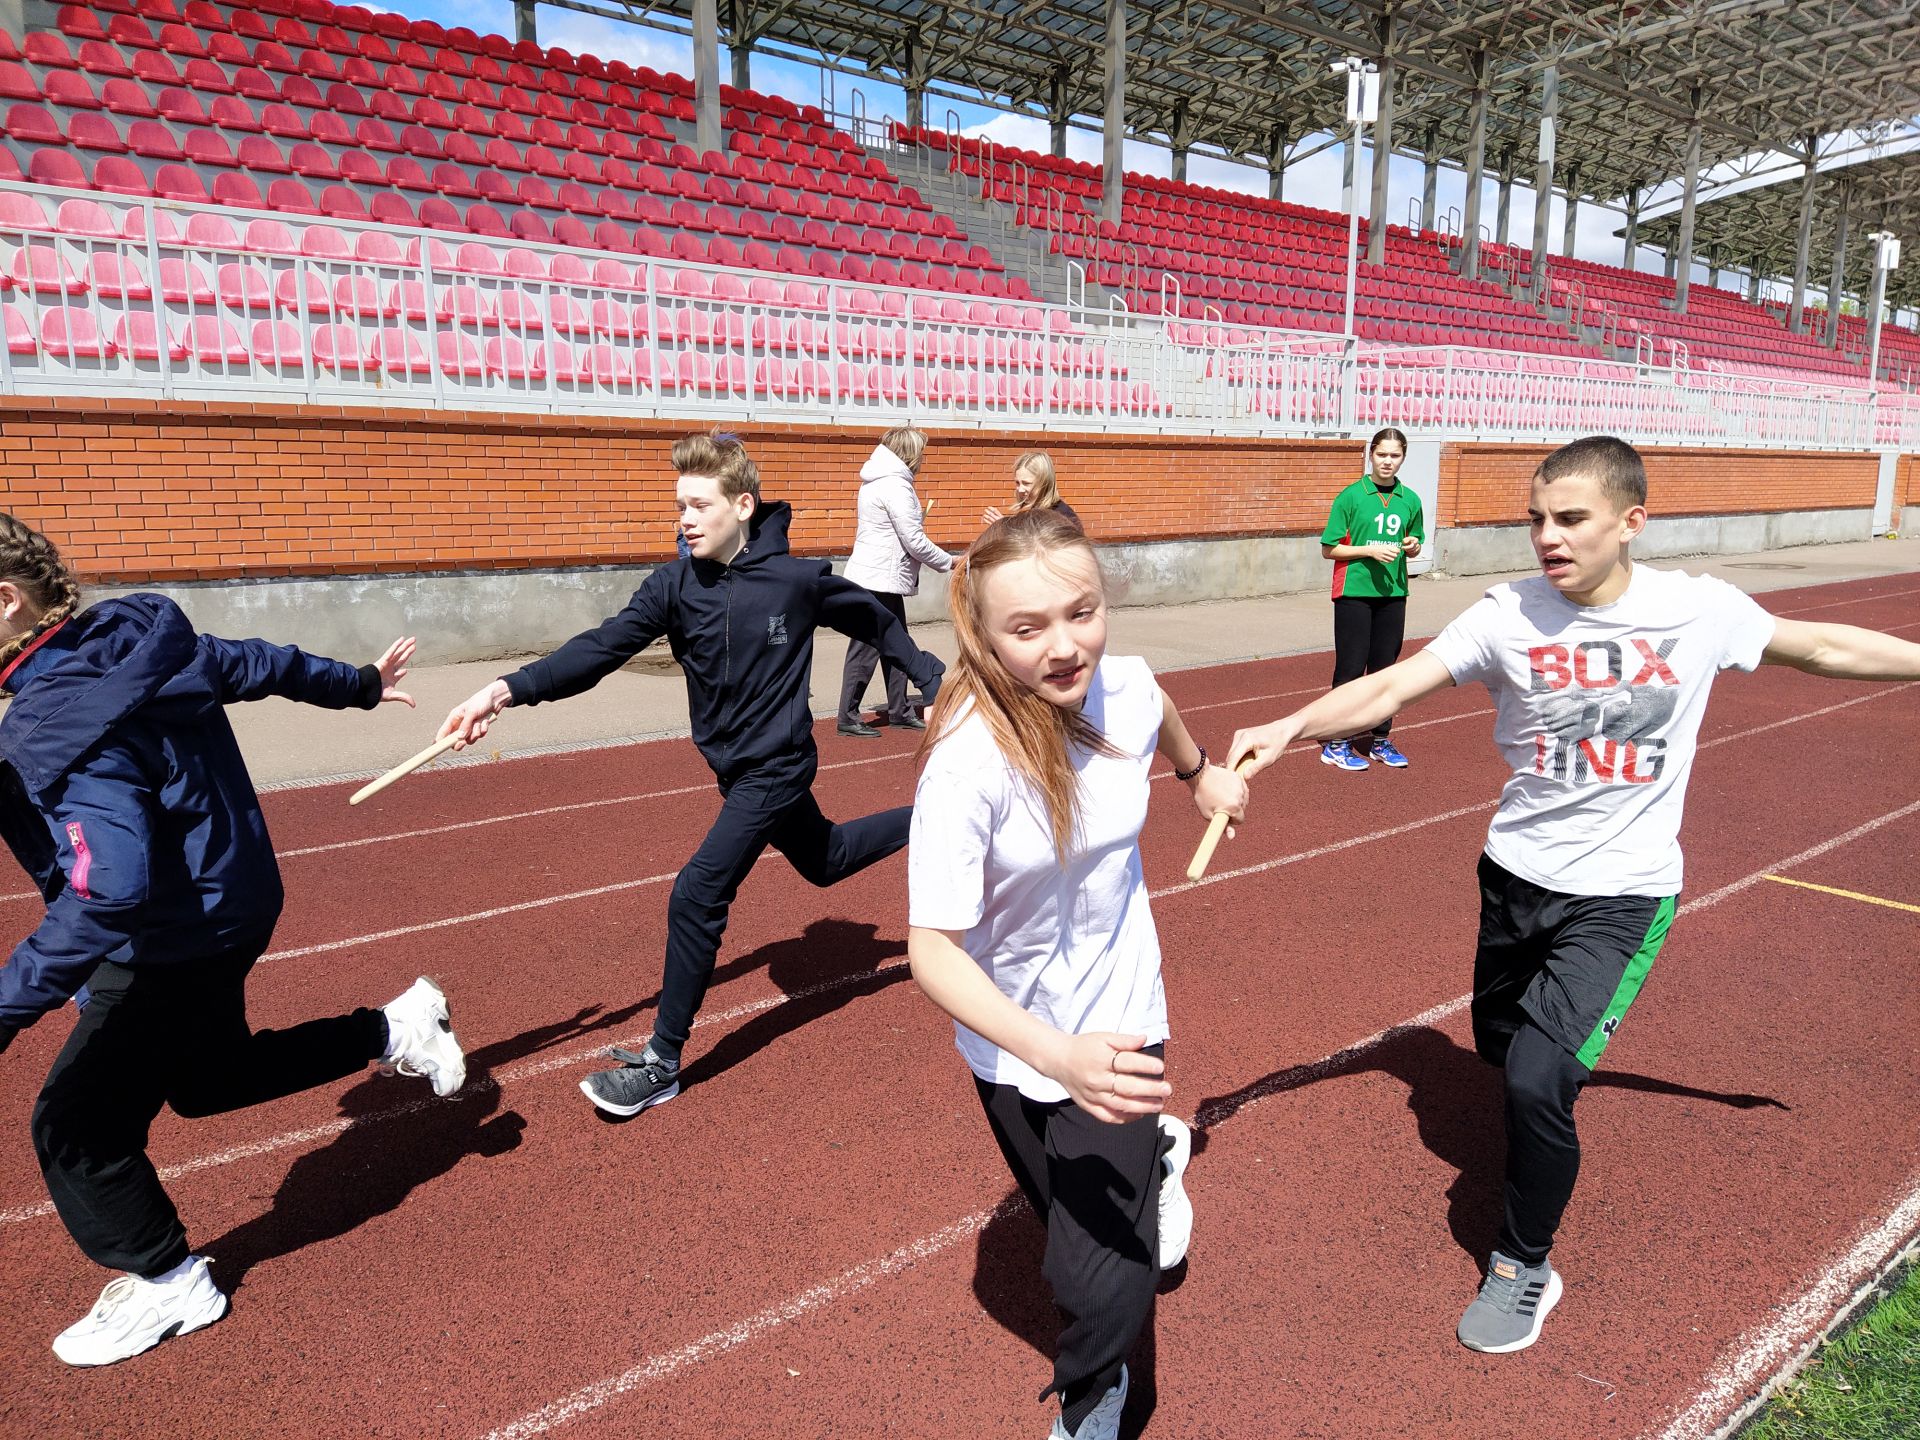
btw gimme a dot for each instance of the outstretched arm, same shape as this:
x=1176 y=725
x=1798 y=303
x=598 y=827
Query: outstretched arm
x=1215 y=788
x=1843 y=652
x=852 y=610
x=1104 y=1073
x=1356 y=706
x=254 y=669
x=575 y=667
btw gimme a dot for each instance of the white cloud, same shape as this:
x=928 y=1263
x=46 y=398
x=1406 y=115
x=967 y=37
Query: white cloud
x=582 y=34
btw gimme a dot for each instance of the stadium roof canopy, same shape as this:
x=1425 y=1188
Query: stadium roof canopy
x=1759 y=228
x=1761 y=75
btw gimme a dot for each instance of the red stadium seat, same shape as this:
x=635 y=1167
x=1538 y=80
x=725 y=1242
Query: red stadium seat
x=338 y=347
x=72 y=333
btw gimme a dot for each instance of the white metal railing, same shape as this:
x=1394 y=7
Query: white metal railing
x=163 y=303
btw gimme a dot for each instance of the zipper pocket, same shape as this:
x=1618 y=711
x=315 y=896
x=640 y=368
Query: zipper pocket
x=82 y=859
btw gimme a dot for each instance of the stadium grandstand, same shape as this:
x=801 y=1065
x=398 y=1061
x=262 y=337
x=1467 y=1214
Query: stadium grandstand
x=298 y=204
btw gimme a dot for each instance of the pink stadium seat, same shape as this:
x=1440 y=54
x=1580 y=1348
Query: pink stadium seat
x=116 y=277
x=338 y=347
x=22 y=212
x=120 y=176
x=43 y=270
x=460 y=355
x=510 y=359
x=72 y=333
x=86 y=217
x=20 y=339
x=244 y=286
x=137 y=337
x=398 y=352
x=293 y=289
x=277 y=345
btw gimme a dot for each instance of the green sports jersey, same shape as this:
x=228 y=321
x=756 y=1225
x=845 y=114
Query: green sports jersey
x=1363 y=516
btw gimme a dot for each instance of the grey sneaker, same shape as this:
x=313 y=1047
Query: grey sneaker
x=1102 y=1422
x=641 y=1082
x=1512 y=1305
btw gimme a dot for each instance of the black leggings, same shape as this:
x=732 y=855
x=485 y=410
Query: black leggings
x=1367 y=634
x=173 y=1035
x=1096 y=1187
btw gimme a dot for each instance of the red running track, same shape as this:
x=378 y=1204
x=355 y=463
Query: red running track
x=818 y=1237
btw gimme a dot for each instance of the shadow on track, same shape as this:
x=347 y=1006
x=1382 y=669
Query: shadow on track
x=1457 y=1104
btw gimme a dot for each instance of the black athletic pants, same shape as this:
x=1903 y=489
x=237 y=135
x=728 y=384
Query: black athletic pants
x=757 y=812
x=1367 y=634
x=1096 y=1187
x=172 y=1035
x=861 y=660
x=1553 y=977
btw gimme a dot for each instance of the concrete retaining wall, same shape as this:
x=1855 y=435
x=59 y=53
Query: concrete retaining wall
x=479 y=615
x=1489 y=549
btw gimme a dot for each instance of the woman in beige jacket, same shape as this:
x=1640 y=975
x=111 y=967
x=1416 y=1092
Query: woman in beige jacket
x=889 y=547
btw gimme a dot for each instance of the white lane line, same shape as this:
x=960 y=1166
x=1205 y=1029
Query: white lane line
x=1772 y=1352
x=669 y=1363
x=478 y=915
x=1856 y=600
x=662 y=1366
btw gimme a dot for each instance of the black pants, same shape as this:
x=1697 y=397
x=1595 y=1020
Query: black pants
x=1096 y=1187
x=861 y=660
x=174 y=1036
x=1552 y=979
x=756 y=813
x=1367 y=634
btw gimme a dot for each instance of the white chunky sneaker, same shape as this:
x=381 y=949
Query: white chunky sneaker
x=420 y=1039
x=1103 y=1423
x=1176 y=1210
x=133 y=1315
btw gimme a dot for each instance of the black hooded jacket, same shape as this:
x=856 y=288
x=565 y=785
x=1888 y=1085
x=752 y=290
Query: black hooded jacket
x=743 y=634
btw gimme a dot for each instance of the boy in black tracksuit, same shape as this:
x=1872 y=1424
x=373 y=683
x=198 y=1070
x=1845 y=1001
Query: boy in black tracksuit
x=124 y=795
x=740 y=613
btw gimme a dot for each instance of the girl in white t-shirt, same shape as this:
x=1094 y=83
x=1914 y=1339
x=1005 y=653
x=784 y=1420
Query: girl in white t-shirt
x=1030 y=926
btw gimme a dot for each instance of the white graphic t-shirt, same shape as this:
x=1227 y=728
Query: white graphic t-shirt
x=1074 y=945
x=1598 y=709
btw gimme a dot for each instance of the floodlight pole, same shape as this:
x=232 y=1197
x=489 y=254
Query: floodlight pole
x=1363 y=100
x=1886 y=256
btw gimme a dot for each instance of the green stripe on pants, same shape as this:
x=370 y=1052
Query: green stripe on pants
x=1629 y=986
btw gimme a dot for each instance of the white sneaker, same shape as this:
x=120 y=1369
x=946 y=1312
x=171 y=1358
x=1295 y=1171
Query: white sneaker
x=1103 y=1423
x=1176 y=1210
x=132 y=1315
x=420 y=1038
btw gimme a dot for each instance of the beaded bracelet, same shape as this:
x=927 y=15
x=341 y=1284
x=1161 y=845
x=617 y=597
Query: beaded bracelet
x=1198 y=767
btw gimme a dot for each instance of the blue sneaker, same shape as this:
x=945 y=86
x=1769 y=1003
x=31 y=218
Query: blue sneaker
x=1340 y=753
x=1387 y=754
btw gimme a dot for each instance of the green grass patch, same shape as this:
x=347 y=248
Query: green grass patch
x=1863 y=1385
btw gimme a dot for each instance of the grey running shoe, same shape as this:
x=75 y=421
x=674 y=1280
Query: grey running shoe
x=1511 y=1307
x=641 y=1082
x=1102 y=1422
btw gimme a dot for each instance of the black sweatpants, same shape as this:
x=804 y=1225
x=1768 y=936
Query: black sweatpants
x=1553 y=977
x=173 y=1035
x=1367 y=635
x=861 y=660
x=757 y=812
x=1096 y=1187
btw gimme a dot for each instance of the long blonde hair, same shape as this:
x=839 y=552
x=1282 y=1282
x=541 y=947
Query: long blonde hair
x=1045 y=494
x=32 y=562
x=1036 y=736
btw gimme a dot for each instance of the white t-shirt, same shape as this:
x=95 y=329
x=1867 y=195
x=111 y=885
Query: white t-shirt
x=1598 y=710
x=1075 y=946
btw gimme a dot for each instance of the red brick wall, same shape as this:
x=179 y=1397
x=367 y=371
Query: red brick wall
x=1487 y=484
x=136 y=491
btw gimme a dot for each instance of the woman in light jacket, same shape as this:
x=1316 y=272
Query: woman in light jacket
x=889 y=547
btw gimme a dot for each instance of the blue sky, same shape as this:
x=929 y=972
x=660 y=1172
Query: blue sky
x=1315 y=180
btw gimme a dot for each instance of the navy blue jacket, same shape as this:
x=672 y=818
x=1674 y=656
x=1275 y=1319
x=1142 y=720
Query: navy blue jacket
x=123 y=794
x=743 y=634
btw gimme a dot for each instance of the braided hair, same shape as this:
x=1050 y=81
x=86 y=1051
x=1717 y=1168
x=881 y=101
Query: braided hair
x=31 y=561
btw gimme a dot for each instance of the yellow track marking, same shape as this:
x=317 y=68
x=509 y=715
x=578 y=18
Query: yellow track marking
x=1847 y=894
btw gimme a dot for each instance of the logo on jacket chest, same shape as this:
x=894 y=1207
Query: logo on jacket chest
x=776 y=629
